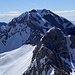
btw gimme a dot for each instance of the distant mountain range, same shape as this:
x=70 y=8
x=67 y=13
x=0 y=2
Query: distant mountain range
x=3 y=23
x=48 y=39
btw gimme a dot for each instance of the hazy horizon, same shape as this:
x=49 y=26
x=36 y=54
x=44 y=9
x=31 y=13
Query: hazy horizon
x=10 y=9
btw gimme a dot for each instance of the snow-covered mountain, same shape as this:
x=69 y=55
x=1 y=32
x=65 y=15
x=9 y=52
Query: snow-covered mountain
x=29 y=27
x=54 y=37
x=3 y=24
x=17 y=61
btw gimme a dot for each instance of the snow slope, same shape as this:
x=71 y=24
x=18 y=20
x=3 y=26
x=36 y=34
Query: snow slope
x=17 y=61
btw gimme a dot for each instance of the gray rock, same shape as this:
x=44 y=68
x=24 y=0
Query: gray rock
x=72 y=38
x=48 y=53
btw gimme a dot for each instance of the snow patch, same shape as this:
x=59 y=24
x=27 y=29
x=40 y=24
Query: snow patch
x=17 y=61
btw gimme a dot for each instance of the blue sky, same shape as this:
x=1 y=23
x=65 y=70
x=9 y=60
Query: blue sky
x=12 y=8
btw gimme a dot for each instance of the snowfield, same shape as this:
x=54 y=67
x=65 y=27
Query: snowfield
x=17 y=61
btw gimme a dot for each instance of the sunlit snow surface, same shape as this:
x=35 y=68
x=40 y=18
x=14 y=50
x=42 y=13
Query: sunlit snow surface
x=17 y=61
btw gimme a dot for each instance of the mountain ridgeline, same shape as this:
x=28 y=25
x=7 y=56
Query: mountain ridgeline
x=53 y=35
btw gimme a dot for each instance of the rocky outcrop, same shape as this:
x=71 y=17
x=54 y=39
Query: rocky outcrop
x=52 y=51
x=72 y=38
x=55 y=40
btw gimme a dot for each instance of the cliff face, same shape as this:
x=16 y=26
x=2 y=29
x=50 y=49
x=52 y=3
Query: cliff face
x=53 y=52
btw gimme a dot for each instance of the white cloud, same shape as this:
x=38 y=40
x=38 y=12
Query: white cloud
x=65 y=11
x=69 y=14
x=8 y=16
x=10 y=13
x=13 y=12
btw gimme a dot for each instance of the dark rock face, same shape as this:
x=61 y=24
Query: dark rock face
x=50 y=52
x=53 y=21
x=66 y=26
x=56 y=41
x=72 y=38
x=34 y=38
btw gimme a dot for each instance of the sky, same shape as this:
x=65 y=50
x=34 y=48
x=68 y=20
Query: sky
x=12 y=8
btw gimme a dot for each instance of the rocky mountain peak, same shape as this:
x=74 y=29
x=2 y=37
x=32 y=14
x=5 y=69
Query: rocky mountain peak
x=29 y=28
x=52 y=53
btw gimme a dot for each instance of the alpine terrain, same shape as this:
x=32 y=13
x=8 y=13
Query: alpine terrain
x=37 y=42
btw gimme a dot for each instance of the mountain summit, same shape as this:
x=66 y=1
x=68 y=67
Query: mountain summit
x=54 y=52
x=29 y=28
x=53 y=36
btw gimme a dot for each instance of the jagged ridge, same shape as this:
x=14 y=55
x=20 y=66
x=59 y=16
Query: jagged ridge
x=54 y=50
x=29 y=27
